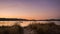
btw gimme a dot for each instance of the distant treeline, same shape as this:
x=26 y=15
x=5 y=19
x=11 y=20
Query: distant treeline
x=19 y=19
x=12 y=19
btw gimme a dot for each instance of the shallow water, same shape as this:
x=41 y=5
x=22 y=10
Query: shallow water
x=24 y=23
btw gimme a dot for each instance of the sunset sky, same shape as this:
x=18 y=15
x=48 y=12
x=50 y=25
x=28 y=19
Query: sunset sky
x=30 y=9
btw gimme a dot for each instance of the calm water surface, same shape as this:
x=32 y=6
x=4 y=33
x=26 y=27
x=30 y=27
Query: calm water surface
x=24 y=23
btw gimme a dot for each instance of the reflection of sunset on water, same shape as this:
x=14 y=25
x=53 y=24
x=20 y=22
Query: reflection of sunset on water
x=10 y=23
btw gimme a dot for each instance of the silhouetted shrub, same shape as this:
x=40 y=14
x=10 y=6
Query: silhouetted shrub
x=48 y=28
x=15 y=29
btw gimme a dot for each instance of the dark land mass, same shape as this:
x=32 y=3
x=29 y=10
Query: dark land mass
x=16 y=19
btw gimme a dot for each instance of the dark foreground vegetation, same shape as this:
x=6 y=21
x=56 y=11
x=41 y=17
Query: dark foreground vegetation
x=47 y=28
x=37 y=28
x=15 y=29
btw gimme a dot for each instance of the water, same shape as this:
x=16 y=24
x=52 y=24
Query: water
x=24 y=23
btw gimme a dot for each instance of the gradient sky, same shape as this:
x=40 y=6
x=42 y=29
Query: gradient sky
x=30 y=9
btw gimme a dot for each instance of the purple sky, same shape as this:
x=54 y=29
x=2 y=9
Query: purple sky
x=32 y=9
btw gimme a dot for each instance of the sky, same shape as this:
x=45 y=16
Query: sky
x=30 y=9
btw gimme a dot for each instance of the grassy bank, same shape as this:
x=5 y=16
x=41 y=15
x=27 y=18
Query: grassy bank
x=47 y=28
x=36 y=28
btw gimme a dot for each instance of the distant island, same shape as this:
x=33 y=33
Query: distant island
x=19 y=19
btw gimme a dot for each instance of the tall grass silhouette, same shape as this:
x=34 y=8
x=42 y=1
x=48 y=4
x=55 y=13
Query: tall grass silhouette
x=34 y=28
x=15 y=29
x=46 y=28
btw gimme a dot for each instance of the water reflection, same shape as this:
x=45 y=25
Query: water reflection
x=24 y=23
